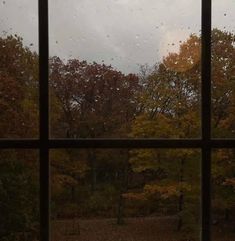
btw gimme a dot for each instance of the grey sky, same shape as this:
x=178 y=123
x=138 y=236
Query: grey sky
x=123 y=33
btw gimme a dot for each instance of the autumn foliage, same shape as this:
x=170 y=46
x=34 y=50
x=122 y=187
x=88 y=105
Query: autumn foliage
x=92 y=100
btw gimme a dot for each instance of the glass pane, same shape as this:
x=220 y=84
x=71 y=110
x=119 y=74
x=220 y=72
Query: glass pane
x=223 y=69
x=125 y=69
x=18 y=69
x=141 y=195
x=223 y=195
x=19 y=195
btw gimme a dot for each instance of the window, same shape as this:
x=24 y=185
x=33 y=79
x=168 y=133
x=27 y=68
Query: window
x=204 y=145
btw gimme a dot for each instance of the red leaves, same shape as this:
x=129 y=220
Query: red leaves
x=96 y=99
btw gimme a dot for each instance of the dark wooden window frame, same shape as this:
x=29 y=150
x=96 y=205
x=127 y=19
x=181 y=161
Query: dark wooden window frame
x=206 y=143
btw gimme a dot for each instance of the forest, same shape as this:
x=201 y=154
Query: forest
x=128 y=193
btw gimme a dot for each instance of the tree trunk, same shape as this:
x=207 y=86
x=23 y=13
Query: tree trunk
x=120 y=209
x=226 y=215
x=181 y=196
x=92 y=160
x=180 y=221
x=73 y=193
x=124 y=179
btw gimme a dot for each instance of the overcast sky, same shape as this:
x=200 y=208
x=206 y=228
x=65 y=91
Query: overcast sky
x=123 y=33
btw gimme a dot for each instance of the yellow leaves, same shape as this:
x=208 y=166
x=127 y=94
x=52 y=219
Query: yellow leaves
x=182 y=153
x=65 y=180
x=59 y=156
x=159 y=127
x=135 y=196
x=141 y=160
x=166 y=191
x=163 y=191
x=151 y=191
x=61 y=181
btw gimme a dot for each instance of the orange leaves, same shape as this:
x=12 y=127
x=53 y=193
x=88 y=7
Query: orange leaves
x=229 y=182
x=156 y=191
x=166 y=191
x=135 y=196
x=187 y=58
x=96 y=100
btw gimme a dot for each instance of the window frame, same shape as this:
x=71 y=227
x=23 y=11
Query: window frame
x=44 y=143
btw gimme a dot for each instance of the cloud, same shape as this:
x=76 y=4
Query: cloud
x=123 y=33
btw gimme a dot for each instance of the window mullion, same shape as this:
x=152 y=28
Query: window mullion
x=44 y=119
x=206 y=120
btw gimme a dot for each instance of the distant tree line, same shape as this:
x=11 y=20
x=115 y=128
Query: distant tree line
x=91 y=100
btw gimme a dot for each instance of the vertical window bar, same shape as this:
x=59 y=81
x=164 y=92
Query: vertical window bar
x=206 y=194
x=206 y=69
x=206 y=120
x=44 y=118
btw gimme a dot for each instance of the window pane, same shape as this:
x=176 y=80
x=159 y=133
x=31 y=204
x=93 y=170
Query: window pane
x=223 y=195
x=125 y=69
x=19 y=195
x=223 y=69
x=112 y=194
x=18 y=69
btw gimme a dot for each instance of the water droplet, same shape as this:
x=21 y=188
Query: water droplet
x=225 y=14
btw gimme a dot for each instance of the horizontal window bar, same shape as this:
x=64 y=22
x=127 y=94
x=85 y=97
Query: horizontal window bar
x=124 y=143
x=140 y=143
x=118 y=143
x=19 y=143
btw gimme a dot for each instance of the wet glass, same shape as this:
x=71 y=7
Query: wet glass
x=223 y=194
x=138 y=194
x=223 y=70
x=125 y=69
x=19 y=195
x=18 y=69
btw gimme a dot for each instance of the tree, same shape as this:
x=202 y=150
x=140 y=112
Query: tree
x=223 y=83
x=92 y=101
x=19 y=195
x=18 y=88
x=169 y=107
x=96 y=101
x=18 y=119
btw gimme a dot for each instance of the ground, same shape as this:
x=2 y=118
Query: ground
x=134 y=229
